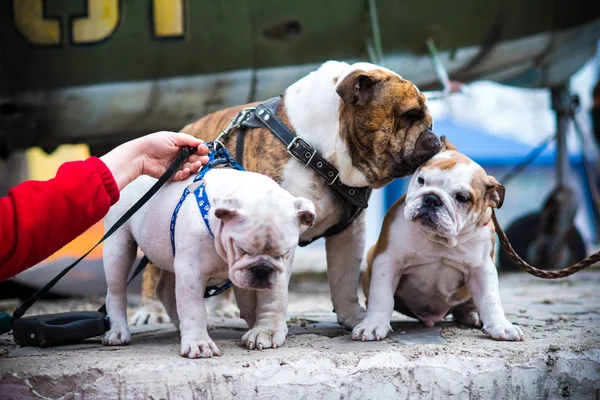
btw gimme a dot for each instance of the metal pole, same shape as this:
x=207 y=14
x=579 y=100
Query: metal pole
x=561 y=104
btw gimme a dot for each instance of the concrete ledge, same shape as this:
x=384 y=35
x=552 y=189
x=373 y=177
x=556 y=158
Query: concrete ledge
x=560 y=357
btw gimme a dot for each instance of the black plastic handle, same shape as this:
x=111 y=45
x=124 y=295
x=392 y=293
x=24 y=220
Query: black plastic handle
x=54 y=329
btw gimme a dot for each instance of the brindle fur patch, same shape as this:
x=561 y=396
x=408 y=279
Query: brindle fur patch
x=263 y=152
x=381 y=135
x=149 y=279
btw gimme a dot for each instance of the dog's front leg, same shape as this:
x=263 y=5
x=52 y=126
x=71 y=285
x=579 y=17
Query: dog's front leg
x=190 y=284
x=483 y=286
x=269 y=329
x=246 y=302
x=344 y=256
x=384 y=281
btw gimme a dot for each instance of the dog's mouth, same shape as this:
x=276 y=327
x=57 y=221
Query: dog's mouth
x=261 y=274
x=432 y=211
x=427 y=146
x=427 y=217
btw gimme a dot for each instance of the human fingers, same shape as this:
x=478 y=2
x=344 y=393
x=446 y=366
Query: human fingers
x=197 y=158
x=182 y=174
x=202 y=150
x=192 y=166
x=183 y=139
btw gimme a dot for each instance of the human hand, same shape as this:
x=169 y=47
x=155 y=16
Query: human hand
x=159 y=149
x=152 y=154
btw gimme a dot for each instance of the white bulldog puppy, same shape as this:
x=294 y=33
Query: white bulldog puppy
x=435 y=253
x=256 y=226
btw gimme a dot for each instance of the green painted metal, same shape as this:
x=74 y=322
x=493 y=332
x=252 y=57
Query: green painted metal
x=244 y=34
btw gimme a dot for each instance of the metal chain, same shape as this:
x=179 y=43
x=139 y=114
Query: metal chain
x=561 y=273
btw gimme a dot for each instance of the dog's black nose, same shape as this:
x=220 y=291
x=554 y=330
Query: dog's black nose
x=261 y=273
x=432 y=201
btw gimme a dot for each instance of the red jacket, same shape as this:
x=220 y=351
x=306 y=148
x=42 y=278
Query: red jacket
x=38 y=218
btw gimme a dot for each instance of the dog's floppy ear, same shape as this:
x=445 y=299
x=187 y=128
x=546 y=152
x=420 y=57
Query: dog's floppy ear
x=446 y=145
x=226 y=208
x=358 y=88
x=494 y=193
x=306 y=211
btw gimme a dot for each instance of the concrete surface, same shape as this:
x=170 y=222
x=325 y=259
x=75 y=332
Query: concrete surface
x=560 y=357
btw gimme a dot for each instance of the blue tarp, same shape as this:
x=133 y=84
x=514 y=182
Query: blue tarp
x=493 y=150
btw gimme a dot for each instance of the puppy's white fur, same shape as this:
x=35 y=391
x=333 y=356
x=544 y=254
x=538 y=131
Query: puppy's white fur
x=256 y=226
x=422 y=264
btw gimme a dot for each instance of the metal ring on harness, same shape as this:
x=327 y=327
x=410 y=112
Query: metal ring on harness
x=235 y=123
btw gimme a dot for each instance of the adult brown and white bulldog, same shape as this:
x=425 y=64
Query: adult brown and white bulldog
x=368 y=122
x=435 y=253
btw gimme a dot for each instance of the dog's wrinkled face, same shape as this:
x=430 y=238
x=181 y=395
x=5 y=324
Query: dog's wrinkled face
x=449 y=195
x=258 y=237
x=385 y=123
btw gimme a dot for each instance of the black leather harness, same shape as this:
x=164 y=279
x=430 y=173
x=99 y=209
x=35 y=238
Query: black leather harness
x=353 y=199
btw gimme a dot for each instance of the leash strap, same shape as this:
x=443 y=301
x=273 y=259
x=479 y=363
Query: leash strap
x=540 y=273
x=239 y=146
x=186 y=191
x=138 y=270
x=306 y=154
x=218 y=157
x=179 y=160
x=203 y=205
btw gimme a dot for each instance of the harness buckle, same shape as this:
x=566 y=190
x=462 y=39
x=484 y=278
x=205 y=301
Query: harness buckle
x=293 y=143
x=335 y=179
x=235 y=122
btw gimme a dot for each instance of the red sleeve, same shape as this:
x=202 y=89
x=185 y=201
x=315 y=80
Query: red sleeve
x=38 y=218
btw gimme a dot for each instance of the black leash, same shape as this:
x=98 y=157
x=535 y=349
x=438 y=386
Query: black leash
x=138 y=270
x=52 y=329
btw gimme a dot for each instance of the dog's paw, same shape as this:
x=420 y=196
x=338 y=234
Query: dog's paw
x=351 y=317
x=264 y=337
x=117 y=336
x=504 y=330
x=199 y=347
x=470 y=318
x=151 y=313
x=372 y=328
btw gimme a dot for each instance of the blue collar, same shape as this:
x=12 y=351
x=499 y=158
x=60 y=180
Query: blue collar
x=216 y=158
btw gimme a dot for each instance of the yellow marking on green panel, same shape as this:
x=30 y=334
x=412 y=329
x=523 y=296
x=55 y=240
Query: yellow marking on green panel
x=42 y=166
x=168 y=18
x=100 y=23
x=29 y=20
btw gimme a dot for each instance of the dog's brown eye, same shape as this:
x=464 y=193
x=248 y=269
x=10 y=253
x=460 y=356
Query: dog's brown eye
x=414 y=115
x=461 y=198
x=421 y=181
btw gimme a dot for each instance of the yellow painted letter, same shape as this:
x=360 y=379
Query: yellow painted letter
x=29 y=19
x=168 y=18
x=100 y=23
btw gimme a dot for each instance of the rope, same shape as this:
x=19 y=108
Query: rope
x=561 y=273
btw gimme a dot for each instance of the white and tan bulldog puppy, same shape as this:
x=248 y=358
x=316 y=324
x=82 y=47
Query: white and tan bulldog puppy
x=369 y=122
x=256 y=226
x=435 y=253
